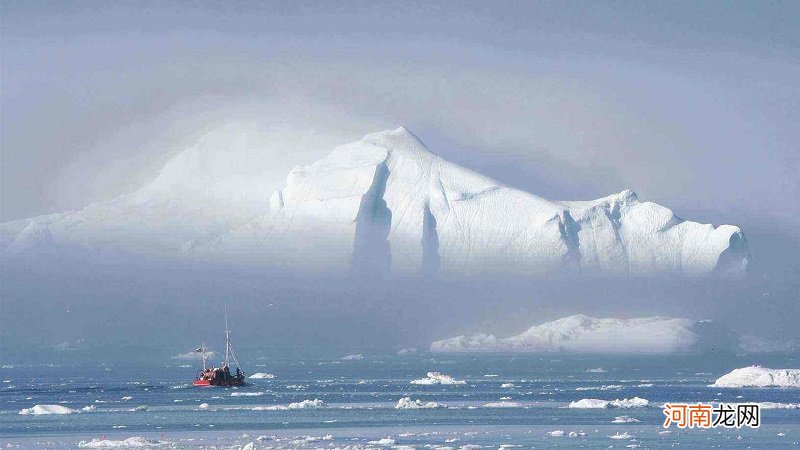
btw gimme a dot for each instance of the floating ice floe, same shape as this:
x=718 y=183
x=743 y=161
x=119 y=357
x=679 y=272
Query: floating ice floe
x=202 y=406
x=408 y=403
x=383 y=441
x=625 y=419
x=356 y=357
x=89 y=408
x=261 y=376
x=502 y=405
x=590 y=403
x=132 y=442
x=247 y=394
x=310 y=439
x=556 y=433
x=41 y=410
x=437 y=378
x=316 y=403
x=778 y=405
x=623 y=435
x=757 y=376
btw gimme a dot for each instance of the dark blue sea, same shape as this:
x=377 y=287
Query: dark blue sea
x=505 y=401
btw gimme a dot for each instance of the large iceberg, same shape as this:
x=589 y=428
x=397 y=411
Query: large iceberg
x=584 y=334
x=384 y=204
x=757 y=376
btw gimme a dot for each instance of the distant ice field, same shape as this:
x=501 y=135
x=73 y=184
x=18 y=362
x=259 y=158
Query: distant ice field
x=505 y=400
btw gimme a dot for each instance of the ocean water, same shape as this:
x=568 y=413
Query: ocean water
x=506 y=401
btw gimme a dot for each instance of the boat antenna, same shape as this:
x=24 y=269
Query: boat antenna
x=227 y=339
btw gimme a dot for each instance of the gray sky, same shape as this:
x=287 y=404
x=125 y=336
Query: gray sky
x=694 y=105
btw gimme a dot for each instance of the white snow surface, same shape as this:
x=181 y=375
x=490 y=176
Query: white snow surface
x=757 y=376
x=583 y=334
x=42 y=410
x=382 y=204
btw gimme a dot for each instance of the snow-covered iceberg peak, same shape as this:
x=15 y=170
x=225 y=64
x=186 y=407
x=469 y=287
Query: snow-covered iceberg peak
x=383 y=204
x=584 y=334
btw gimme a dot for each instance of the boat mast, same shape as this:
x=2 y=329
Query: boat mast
x=227 y=339
x=204 y=355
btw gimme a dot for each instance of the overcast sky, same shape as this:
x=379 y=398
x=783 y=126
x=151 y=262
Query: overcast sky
x=694 y=105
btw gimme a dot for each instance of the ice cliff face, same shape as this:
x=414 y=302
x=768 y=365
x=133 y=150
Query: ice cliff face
x=384 y=204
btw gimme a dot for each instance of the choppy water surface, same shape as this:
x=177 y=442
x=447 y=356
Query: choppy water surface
x=505 y=401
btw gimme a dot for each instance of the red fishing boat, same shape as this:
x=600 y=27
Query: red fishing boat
x=220 y=376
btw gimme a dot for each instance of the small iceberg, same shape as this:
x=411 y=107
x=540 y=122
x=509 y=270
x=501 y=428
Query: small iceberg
x=261 y=376
x=502 y=405
x=437 y=378
x=624 y=435
x=757 y=376
x=407 y=403
x=132 y=442
x=43 y=410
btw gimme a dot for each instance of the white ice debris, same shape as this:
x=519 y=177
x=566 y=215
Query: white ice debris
x=132 y=442
x=584 y=334
x=503 y=404
x=316 y=403
x=356 y=357
x=778 y=405
x=757 y=376
x=624 y=435
x=634 y=402
x=437 y=378
x=40 y=410
x=386 y=191
x=556 y=433
x=202 y=406
x=408 y=403
x=261 y=376
x=625 y=419
x=383 y=441
x=89 y=408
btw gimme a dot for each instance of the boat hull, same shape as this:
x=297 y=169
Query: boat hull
x=228 y=382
